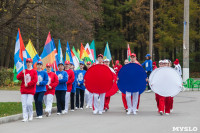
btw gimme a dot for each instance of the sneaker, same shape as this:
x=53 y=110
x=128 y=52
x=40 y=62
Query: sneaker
x=171 y=110
x=76 y=108
x=90 y=107
x=58 y=113
x=66 y=111
x=100 y=112
x=95 y=112
x=134 y=112
x=128 y=113
x=25 y=120
x=72 y=110
x=49 y=114
x=30 y=118
x=103 y=111
x=161 y=113
x=87 y=107
x=63 y=112
x=126 y=110
x=81 y=108
x=39 y=117
x=167 y=113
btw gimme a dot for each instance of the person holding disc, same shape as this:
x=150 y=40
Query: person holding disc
x=28 y=87
x=61 y=88
x=123 y=94
x=88 y=95
x=73 y=86
x=69 y=84
x=132 y=103
x=40 y=89
x=50 y=87
x=80 y=88
x=101 y=97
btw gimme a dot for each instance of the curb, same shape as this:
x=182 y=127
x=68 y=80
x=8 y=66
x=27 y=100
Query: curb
x=17 y=117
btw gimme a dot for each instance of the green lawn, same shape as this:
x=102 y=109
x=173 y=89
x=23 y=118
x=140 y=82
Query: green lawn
x=13 y=88
x=11 y=108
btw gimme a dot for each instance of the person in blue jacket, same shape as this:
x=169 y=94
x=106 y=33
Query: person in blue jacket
x=61 y=88
x=80 y=87
x=148 y=67
x=40 y=89
x=73 y=86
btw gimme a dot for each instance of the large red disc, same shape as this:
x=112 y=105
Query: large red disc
x=98 y=79
x=114 y=88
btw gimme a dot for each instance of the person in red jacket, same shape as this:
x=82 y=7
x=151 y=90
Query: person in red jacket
x=28 y=88
x=117 y=67
x=51 y=85
x=71 y=78
x=154 y=65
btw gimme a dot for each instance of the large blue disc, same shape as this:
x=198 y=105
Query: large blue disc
x=132 y=78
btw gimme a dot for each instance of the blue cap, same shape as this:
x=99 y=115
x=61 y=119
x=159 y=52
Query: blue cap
x=60 y=63
x=72 y=63
x=40 y=62
x=82 y=62
x=148 y=55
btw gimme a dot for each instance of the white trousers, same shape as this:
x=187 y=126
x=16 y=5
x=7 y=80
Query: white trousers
x=67 y=98
x=99 y=106
x=48 y=101
x=88 y=98
x=132 y=105
x=27 y=105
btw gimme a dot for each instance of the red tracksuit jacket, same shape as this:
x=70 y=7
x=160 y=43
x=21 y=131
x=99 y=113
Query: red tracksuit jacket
x=31 y=80
x=71 y=78
x=53 y=82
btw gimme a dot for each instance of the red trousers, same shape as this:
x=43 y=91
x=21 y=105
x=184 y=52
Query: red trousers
x=163 y=103
x=125 y=102
x=106 y=103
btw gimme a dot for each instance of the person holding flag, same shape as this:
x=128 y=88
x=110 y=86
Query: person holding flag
x=40 y=89
x=50 y=87
x=80 y=87
x=61 y=88
x=28 y=87
x=71 y=78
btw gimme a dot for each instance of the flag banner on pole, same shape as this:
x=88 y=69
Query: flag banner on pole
x=89 y=52
x=128 y=52
x=93 y=50
x=20 y=53
x=48 y=54
x=68 y=55
x=60 y=54
x=33 y=53
x=75 y=60
x=76 y=54
x=55 y=64
x=107 y=54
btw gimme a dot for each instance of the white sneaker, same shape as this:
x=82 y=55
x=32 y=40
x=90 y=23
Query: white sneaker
x=49 y=114
x=90 y=107
x=100 y=112
x=171 y=110
x=103 y=111
x=58 y=113
x=66 y=111
x=81 y=108
x=128 y=113
x=161 y=113
x=30 y=118
x=72 y=110
x=76 y=108
x=87 y=107
x=63 y=112
x=25 y=120
x=39 y=117
x=167 y=113
x=95 y=112
x=134 y=112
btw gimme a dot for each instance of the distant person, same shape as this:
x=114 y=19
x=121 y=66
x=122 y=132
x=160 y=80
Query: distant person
x=148 y=67
x=177 y=67
x=117 y=67
x=154 y=65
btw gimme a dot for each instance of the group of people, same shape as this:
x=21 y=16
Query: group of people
x=68 y=86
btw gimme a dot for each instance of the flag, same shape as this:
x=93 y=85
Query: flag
x=93 y=50
x=15 y=80
x=55 y=64
x=75 y=59
x=68 y=55
x=76 y=53
x=128 y=52
x=107 y=54
x=33 y=54
x=60 y=55
x=21 y=54
x=48 y=54
x=89 y=52
x=82 y=51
